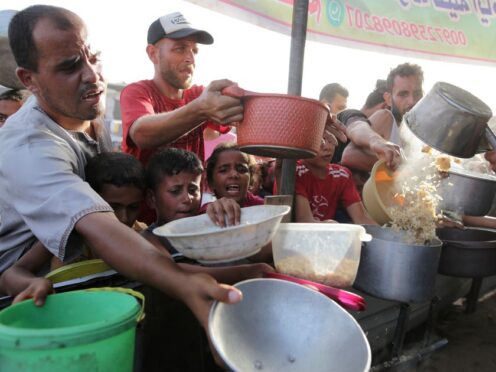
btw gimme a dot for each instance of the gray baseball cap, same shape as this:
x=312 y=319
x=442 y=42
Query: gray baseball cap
x=175 y=26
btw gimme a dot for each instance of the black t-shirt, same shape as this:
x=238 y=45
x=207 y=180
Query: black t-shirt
x=346 y=117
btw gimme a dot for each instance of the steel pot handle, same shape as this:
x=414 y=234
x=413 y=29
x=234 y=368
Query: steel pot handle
x=491 y=137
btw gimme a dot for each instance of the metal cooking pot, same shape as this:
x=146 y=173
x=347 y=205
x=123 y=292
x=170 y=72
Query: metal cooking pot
x=8 y=65
x=452 y=121
x=467 y=193
x=397 y=271
x=283 y=326
x=280 y=125
x=469 y=253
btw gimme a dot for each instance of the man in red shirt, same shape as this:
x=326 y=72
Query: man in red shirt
x=168 y=111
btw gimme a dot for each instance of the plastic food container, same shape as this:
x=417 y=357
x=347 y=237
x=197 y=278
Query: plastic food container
x=321 y=252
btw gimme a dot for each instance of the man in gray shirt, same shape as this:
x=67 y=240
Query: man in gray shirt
x=43 y=151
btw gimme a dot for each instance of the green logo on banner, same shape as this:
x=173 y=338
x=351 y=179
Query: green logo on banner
x=335 y=12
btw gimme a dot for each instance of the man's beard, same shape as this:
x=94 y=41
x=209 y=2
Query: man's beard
x=72 y=109
x=171 y=78
x=398 y=116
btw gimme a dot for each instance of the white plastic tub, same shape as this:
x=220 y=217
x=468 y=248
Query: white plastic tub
x=321 y=252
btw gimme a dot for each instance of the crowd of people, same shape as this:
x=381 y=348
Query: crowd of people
x=66 y=196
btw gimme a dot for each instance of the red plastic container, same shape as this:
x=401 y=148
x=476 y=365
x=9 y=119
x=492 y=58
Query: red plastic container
x=279 y=125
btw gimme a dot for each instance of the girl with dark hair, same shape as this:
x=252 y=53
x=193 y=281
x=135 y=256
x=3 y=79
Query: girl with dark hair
x=229 y=174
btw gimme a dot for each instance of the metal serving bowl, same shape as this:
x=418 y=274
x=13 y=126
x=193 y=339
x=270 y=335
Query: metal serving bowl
x=283 y=326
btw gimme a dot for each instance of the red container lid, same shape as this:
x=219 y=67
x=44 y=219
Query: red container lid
x=348 y=300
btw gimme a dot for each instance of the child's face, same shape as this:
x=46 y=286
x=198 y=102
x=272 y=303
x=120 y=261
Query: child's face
x=231 y=176
x=125 y=201
x=176 y=197
x=326 y=152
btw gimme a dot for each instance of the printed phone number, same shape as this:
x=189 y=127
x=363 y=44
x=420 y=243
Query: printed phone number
x=384 y=25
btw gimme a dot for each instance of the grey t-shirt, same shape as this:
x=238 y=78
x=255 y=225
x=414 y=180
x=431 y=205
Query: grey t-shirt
x=42 y=189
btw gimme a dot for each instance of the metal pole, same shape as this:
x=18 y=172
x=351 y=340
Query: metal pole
x=298 y=38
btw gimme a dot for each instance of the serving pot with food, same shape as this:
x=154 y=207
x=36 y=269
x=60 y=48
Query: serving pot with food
x=400 y=262
x=393 y=269
x=467 y=192
x=279 y=125
x=457 y=190
x=452 y=121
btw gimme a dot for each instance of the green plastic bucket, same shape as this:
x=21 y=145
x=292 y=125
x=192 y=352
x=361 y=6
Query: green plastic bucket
x=73 y=331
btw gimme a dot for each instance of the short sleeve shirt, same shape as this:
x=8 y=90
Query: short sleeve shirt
x=337 y=189
x=347 y=117
x=250 y=201
x=43 y=192
x=144 y=98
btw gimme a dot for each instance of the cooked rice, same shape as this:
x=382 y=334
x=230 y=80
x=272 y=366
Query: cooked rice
x=418 y=199
x=338 y=274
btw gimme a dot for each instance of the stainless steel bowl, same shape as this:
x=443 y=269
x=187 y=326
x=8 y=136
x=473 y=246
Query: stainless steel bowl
x=467 y=193
x=283 y=326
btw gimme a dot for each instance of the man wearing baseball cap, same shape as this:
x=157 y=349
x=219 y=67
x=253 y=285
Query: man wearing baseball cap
x=168 y=111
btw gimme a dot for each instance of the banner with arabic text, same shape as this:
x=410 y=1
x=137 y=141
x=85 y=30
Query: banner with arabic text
x=462 y=30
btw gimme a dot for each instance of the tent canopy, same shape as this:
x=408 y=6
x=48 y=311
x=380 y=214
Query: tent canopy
x=458 y=30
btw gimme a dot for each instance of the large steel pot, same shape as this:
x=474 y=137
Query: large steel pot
x=397 y=271
x=280 y=125
x=466 y=192
x=283 y=326
x=469 y=252
x=8 y=77
x=452 y=121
